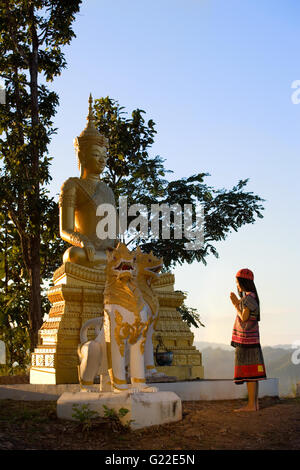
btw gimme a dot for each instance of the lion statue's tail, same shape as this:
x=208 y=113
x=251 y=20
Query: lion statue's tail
x=97 y=323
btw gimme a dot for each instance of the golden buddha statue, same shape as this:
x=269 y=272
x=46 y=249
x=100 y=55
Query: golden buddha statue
x=80 y=197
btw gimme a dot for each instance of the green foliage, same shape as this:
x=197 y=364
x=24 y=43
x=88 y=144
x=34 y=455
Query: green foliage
x=114 y=419
x=13 y=299
x=84 y=415
x=15 y=291
x=112 y=414
x=87 y=418
x=34 y=416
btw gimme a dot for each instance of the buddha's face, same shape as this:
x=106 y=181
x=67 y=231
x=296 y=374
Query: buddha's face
x=95 y=159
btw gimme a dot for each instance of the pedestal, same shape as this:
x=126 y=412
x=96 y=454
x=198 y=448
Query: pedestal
x=144 y=409
x=77 y=296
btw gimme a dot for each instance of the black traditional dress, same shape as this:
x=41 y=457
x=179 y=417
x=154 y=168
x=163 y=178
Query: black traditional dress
x=249 y=361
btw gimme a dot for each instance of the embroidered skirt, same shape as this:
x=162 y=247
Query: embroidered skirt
x=249 y=364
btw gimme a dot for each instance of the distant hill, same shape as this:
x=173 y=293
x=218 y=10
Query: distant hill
x=200 y=345
x=282 y=346
x=218 y=362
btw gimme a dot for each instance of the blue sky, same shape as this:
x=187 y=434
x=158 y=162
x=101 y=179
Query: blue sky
x=216 y=78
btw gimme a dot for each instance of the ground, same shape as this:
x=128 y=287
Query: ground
x=205 y=425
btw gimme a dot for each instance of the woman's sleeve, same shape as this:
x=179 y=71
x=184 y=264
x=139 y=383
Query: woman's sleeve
x=250 y=302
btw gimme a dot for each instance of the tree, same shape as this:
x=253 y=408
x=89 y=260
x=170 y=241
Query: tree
x=15 y=286
x=189 y=315
x=33 y=33
x=13 y=297
x=132 y=172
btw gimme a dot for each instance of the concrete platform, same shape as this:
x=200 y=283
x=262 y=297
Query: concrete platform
x=214 y=389
x=144 y=409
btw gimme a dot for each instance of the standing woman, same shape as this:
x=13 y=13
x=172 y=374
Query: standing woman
x=249 y=361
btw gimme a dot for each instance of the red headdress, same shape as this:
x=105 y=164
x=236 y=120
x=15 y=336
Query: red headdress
x=246 y=274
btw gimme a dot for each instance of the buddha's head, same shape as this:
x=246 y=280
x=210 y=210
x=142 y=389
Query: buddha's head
x=91 y=157
x=91 y=147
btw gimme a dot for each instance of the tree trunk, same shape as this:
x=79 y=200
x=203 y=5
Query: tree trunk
x=35 y=314
x=35 y=318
